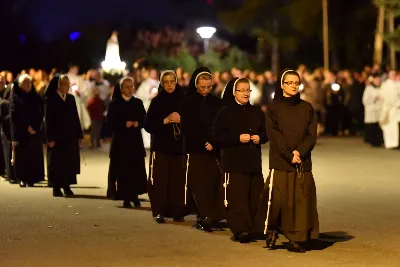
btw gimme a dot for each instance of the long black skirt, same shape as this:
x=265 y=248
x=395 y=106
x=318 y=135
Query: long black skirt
x=29 y=161
x=293 y=210
x=127 y=178
x=204 y=180
x=63 y=163
x=166 y=185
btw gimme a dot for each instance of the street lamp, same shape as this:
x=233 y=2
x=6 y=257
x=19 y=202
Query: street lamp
x=206 y=33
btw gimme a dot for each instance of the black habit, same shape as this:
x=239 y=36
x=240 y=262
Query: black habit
x=26 y=109
x=203 y=174
x=6 y=134
x=127 y=172
x=291 y=125
x=166 y=185
x=62 y=127
x=240 y=162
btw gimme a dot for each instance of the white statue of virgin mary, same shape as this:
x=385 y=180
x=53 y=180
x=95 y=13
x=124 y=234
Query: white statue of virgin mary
x=113 y=60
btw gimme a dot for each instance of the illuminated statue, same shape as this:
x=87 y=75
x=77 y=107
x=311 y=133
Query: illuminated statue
x=113 y=61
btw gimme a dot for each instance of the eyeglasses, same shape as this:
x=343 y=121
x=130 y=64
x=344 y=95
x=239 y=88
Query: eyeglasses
x=297 y=84
x=244 y=91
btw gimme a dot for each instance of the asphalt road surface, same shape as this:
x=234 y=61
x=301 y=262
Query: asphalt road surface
x=358 y=191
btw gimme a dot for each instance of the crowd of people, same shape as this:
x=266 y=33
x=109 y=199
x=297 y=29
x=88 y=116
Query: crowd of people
x=204 y=137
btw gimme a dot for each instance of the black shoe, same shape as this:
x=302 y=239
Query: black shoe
x=179 y=219
x=271 y=240
x=160 y=219
x=68 y=192
x=22 y=184
x=127 y=204
x=244 y=238
x=31 y=185
x=57 y=193
x=12 y=181
x=137 y=203
x=206 y=225
x=295 y=247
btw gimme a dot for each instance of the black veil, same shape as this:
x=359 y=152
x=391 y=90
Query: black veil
x=192 y=84
x=278 y=87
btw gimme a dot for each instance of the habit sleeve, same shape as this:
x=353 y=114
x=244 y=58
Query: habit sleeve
x=222 y=135
x=311 y=139
x=276 y=138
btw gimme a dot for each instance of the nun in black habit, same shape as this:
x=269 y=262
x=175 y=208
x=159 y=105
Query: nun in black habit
x=26 y=114
x=239 y=130
x=3 y=90
x=64 y=136
x=289 y=202
x=127 y=172
x=167 y=161
x=6 y=133
x=203 y=176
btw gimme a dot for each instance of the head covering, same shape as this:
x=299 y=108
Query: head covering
x=117 y=91
x=278 y=88
x=178 y=88
x=17 y=85
x=192 y=84
x=229 y=91
x=53 y=85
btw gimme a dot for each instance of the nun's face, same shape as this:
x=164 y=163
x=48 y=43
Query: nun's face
x=169 y=83
x=127 y=88
x=242 y=93
x=64 y=85
x=290 y=85
x=26 y=85
x=204 y=86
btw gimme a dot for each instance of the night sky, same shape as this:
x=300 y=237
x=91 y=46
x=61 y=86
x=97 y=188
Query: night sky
x=50 y=17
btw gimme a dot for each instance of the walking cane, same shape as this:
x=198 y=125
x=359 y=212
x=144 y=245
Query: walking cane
x=82 y=157
x=271 y=182
x=153 y=157
x=186 y=183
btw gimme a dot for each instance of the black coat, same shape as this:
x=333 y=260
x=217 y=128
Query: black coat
x=232 y=121
x=26 y=110
x=291 y=125
x=127 y=152
x=197 y=118
x=64 y=128
x=165 y=138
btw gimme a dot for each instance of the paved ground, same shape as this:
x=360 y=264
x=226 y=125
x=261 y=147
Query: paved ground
x=358 y=200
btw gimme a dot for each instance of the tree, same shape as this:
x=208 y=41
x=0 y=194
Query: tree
x=392 y=10
x=278 y=23
x=185 y=60
x=212 y=60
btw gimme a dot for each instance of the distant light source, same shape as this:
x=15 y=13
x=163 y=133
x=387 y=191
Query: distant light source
x=73 y=36
x=206 y=33
x=273 y=95
x=335 y=87
x=301 y=87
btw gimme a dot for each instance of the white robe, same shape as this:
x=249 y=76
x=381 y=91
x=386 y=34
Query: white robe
x=390 y=115
x=372 y=102
x=146 y=92
x=82 y=111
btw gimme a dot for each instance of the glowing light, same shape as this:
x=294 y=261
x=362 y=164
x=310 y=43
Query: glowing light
x=206 y=32
x=273 y=95
x=301 y=87
x=154 y=90
x=73 y=36
x=74 y=87
x=113 y=61
x=335 y=87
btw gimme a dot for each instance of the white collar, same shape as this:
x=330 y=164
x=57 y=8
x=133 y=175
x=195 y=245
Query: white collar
x=63 y=96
